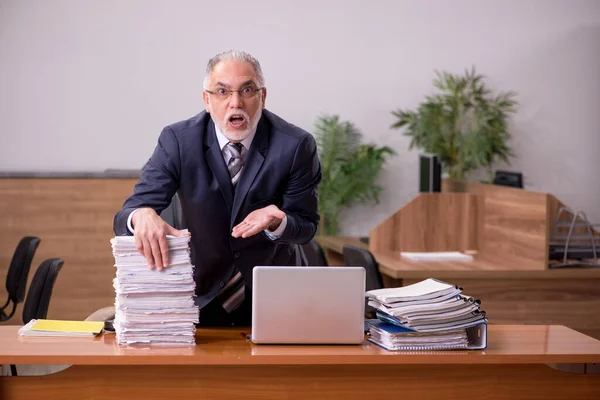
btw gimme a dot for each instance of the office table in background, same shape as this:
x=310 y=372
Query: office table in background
x=224 y=364
x=562 y=296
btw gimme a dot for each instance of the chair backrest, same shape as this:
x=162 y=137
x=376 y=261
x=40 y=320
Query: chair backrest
x=315 y=256
x=40 y=289
x=355 y=256
x=18 y=271
x=173 y=214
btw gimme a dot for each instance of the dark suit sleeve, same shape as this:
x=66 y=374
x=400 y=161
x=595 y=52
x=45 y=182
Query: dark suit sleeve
x=300 y=197
x=159 y=180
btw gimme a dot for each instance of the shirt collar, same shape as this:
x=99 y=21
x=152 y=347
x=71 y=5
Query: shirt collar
x=223 y=140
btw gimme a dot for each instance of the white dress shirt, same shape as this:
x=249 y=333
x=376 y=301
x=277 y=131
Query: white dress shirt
x=273 y=235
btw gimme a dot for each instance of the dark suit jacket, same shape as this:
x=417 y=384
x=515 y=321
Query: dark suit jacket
x=281 y=168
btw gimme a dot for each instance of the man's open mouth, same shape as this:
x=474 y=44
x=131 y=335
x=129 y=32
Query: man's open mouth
x=237 y=120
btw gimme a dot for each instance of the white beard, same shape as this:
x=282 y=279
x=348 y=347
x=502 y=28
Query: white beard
x=237 y=136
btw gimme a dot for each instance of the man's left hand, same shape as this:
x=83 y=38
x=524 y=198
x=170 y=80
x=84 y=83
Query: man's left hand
x=258 y=220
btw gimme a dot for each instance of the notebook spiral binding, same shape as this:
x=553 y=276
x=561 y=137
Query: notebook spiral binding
x=422 y=348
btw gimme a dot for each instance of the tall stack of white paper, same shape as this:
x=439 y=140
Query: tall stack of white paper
x=154 y=307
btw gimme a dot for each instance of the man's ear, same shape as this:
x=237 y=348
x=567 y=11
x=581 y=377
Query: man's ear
x=206 y=101
x=264 y=97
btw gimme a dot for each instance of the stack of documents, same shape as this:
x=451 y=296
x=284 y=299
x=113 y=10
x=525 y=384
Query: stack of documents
x=428 y=315
x=154 y=307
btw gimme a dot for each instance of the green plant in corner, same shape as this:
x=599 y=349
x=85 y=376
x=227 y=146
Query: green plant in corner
x=349 y=169
x=464 y=124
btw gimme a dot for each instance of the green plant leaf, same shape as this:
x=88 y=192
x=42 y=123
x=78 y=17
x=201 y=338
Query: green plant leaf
x=464 y=123
x=349 y=169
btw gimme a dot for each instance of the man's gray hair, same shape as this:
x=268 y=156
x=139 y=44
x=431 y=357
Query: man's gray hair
x=233 y=55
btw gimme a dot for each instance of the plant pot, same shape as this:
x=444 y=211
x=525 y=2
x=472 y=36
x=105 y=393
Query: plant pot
x=455 y=186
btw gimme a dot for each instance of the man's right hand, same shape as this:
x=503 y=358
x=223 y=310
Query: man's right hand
x=150 y=232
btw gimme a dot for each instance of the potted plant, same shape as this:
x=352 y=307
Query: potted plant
x=464 y=124
x=349 y=169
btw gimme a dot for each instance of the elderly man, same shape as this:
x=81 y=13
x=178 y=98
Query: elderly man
x=247 y=181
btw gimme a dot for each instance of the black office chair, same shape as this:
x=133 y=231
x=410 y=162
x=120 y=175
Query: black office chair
x=40 y=290
x=18 y=272
x=355 y=256
x=315 y=256
x=39 y=294
x=173 y=214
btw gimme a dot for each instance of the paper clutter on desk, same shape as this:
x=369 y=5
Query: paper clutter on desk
x=427 y=315
x=154 y=308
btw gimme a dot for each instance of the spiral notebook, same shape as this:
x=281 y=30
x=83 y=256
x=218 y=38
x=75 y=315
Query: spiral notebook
x=398 y=338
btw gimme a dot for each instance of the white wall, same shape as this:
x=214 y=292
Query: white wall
x=88 y=85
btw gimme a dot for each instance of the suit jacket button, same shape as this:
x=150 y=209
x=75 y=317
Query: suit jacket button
x=222 y=284
x=236 y=254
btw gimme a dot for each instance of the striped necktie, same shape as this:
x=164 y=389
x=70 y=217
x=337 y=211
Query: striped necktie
x=232 y=294
x=236 y=162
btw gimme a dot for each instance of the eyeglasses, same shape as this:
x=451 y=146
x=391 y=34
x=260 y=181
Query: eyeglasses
x=246 y=92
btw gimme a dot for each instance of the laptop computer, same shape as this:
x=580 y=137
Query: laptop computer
x=308 y=305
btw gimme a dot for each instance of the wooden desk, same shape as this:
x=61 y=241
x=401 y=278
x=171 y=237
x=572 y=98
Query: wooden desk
x=567 y=296
x=396 y=267
x=334 y=247
x=225 y=365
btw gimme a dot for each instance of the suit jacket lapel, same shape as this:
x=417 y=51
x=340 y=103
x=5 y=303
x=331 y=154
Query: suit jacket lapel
x=254 y=161
x=215 y=160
